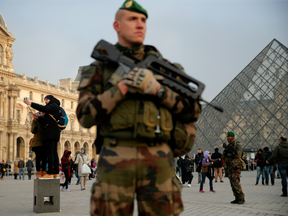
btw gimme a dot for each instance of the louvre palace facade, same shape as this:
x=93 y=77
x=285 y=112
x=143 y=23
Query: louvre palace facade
x=16 y=117
x=255 y=105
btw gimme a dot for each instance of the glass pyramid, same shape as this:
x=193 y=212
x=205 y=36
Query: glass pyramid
x=255 y=105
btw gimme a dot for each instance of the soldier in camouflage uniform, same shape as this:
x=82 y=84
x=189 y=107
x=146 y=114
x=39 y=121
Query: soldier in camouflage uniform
x=134 y=158
x=232 y=157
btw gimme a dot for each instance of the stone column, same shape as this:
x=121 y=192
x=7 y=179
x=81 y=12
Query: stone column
x=1 y=143
x=10 y=108
x=14 y=108
x=1 y=105
x=10 y=147
x=15 y=145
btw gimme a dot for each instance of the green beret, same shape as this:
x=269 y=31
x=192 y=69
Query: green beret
x=230 y=133
x=134 y=7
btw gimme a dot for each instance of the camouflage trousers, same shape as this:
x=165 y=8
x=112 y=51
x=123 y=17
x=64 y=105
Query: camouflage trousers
x=234 y=177
x=145 y=171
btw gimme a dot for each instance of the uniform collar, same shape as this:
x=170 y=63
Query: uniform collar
x=137 y=51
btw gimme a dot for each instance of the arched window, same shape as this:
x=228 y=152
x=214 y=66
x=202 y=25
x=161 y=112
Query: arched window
x=1 y=51
x=18 y=147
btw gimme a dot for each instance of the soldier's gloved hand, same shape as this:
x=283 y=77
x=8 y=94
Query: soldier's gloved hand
x=143 y=81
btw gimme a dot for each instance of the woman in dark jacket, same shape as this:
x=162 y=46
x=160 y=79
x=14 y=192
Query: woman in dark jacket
x=217 y=166
x=260 y=167
x=187 y=167
x=65 y=163
x=51 y=132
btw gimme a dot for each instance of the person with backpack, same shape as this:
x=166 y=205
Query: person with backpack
x=51 y=132
x=198 y=160
x=207 y=170
x=187 y=167
x=268 y=168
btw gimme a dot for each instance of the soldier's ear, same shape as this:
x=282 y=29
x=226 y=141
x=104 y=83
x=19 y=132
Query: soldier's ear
x=116 y=26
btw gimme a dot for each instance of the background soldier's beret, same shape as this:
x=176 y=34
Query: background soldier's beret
x=134 y=7
x=230 y=133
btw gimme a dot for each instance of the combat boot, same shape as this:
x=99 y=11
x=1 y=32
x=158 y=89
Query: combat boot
x=241 y=201
x=234 y=201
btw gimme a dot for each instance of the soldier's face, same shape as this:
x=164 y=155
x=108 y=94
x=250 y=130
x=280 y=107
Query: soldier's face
x=131 y=28
x=230 y=139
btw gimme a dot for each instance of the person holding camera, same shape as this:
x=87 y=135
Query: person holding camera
x=51 y=132
x=232 y=157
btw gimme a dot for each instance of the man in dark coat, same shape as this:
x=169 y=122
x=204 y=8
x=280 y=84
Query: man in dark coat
x=268 y=168
x=198 y=159
x=187 y=167
x=51 y=132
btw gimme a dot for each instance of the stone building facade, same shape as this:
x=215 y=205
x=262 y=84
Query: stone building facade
x=16 y=117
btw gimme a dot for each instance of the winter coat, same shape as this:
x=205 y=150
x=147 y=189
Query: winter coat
x=280 y=153
x=29 y=165
x=65 y=160
x=79 y=161
x=207 y=162
x=217 y=155
x=16 y=170
x=259 y=159
x=1 y=167
x=266 y=156
x=50 y=128
x=198 y=158
x=37 y=130
x=21 y=164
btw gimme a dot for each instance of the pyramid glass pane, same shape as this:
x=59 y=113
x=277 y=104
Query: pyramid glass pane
x=255 y=105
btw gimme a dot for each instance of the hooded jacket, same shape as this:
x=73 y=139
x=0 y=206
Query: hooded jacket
x=280 y=153
x=65 y=160
x=50 y=128
x=206 y=162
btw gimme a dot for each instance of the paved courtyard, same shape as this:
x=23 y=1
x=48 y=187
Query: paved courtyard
x=16 y=198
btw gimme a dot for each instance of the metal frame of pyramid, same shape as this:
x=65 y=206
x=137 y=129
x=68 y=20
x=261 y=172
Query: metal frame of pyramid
x=255 y=105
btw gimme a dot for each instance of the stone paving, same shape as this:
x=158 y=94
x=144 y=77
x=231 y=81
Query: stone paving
x=16 y=198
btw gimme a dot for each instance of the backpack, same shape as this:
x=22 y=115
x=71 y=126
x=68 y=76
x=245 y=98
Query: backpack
x=63 y=120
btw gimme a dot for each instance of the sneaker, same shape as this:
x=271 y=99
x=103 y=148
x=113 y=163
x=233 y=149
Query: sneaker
x=256 y=183
x=46 y=176
x=56 y=176
x=69 y=183
x=202 y=191
x=213 y=191
x=189 y=185
x=62 y=188
x=67 y=190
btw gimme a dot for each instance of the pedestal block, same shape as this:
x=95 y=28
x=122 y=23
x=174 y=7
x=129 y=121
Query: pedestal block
x=46 y=195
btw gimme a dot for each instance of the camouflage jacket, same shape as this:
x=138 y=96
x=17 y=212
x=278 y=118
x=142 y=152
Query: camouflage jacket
x=235 y=145
x=131 y=115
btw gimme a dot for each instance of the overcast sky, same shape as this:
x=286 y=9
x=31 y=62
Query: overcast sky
x=213 y=40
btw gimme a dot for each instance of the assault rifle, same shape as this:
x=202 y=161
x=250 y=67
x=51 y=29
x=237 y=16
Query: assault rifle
x=228 y=150
x=107 y=52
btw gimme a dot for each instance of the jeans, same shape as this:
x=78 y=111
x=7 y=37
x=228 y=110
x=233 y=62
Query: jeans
x=2 y=174
x=179 y=168
x=21 y=170
x=203 y=180
x=283 y=168
x=78 y=177
x=50 y=147
x=278 y=172
x=269 y=170
x=260 y=171
x=200 y=177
